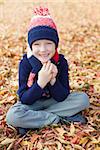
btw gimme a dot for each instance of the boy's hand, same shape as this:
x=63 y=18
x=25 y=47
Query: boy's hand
x=45 y=74
x=52 y=81
x=54 y=74
x=54 y=71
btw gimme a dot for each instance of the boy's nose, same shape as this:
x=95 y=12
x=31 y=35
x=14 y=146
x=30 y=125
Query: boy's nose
x=43 y=48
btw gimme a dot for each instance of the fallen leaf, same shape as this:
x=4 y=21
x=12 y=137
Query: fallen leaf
x=72 y=129
x=34 y=137
x=7 y=141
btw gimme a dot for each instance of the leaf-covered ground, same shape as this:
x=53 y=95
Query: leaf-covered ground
x=81 y=47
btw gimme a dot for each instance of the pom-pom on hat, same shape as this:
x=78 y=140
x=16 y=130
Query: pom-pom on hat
x=42 y=26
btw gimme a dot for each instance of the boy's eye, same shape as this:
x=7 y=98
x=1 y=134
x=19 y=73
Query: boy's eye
x=36 y=43
x=49 y=43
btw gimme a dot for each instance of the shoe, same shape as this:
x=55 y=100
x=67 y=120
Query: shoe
x=76 y=118
x=22 y=131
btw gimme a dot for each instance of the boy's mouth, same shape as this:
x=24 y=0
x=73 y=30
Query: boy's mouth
x=43 y=55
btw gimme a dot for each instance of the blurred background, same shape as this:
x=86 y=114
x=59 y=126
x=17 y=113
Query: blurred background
x=15 y=14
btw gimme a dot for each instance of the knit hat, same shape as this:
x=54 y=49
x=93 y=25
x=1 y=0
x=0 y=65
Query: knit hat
x=42 y=26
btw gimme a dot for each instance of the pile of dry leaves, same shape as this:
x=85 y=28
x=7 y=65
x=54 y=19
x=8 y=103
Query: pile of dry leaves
x=81 y=48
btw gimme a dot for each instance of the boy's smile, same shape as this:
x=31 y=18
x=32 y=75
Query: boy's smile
x=43 y=50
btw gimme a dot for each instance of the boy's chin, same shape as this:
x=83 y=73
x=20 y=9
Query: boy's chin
x=44 y=60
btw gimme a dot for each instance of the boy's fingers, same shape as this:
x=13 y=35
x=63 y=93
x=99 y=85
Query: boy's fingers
x=55 y=69
x=44 y=66
x=50 y=68
x=48 y=65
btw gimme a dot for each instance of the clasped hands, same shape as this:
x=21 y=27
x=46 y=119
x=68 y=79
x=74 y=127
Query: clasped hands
x=47 y=74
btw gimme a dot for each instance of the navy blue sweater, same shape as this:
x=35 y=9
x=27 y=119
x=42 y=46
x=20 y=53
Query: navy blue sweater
x=28 y=95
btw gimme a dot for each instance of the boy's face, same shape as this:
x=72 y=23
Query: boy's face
x=43 y=50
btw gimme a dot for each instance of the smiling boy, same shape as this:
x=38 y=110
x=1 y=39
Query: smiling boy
x=44 y=93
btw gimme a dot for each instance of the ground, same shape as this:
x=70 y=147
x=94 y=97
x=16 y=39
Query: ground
x=78 y=25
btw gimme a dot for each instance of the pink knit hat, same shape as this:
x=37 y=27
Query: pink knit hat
x=42 y=18
x=42 y=26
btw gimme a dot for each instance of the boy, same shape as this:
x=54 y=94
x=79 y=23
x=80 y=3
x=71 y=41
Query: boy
x=44 y=94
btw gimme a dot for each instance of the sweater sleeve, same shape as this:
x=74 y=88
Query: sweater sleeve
x=27 y=95
x=60 y=90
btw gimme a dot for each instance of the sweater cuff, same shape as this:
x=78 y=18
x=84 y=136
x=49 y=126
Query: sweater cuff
x=38 y=88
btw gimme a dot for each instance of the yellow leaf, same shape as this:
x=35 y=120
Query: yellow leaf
x=23 y=143
x=95 y=141
x=68 y=147
x=7 y=141
x=78 y=147
x=10 y=98
x=59 y=145
x=72 y=129
x=61 y=140
x=3 y=92
x=61 y=131
x=27 y=143
x=83 y=140
x=97 y=148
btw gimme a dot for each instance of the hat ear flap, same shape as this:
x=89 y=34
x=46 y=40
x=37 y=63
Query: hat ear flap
x=56 y=57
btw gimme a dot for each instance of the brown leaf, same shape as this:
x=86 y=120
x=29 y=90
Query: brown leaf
x=34 y=137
